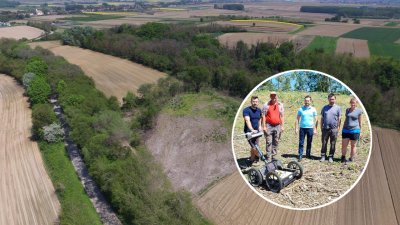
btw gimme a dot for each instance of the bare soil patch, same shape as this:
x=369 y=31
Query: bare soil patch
x=259 y=26
x=232 y=202
x=27 y=195
x=356 y=47
x=230 y=39
x=113 y=76
x=188 y=151
x=330 y=30
x=19 y=32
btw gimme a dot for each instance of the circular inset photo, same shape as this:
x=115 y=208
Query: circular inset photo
x=301 y=139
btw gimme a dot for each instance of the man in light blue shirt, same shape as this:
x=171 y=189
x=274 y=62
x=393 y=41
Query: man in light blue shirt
x=307 y=118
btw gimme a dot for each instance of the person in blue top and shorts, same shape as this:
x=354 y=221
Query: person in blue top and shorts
x=351 y=130
x=307 y=118
x=252 y=123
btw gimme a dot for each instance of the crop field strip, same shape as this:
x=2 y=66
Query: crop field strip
x=358 y=48
x=330 y=30
x=113 y=76
x=27 y=195
x=328 y=44
x=369 y=203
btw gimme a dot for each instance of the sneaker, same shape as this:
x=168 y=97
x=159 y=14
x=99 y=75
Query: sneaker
x=322 y=159
x=331 y=159
x=343 y=159
x=249 y=162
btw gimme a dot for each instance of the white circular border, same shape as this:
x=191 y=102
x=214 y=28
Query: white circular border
x=359 y=177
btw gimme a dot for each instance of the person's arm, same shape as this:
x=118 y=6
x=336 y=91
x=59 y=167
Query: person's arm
x=322 y=119
x=296 y=124
x=248 y=123
x=260 y=128
x=340 y=119
x=359 y=122
x=315 y=122
x=264 y=127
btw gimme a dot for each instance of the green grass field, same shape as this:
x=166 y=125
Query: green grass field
x=384 y=49
x=375 y=34
x=381 y=41
x=392 y=24
x=91 y=17
x=76 y=207
x=328 y=44
x=205 y=104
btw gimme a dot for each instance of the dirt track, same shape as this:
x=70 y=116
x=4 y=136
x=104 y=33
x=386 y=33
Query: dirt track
x=356 y=47
x=26 y=193
x=113 y=76
x=374 y=201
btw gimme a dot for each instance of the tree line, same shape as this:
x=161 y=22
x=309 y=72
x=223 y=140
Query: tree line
x=359 y=12
x=194 y=56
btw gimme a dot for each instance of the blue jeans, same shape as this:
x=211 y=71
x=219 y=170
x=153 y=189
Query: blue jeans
x=309 y=132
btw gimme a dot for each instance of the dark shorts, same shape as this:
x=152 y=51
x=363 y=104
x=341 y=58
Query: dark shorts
x=353 y=137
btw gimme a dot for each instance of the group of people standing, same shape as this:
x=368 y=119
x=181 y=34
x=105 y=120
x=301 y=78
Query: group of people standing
x=270 y=120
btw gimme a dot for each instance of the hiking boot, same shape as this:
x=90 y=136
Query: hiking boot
x=350 y=159
x=331 y=159
x=322 y=159
x=343 y=159
x=308 y=156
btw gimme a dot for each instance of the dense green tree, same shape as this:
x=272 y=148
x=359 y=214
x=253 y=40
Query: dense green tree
x=38 y=90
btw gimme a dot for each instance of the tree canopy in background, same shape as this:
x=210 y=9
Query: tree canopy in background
x=193 y=55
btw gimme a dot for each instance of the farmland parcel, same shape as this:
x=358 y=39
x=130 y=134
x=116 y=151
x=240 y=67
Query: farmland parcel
x=381 y=41
x=26 y=192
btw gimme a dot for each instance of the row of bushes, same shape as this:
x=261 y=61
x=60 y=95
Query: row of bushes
x=129 y=178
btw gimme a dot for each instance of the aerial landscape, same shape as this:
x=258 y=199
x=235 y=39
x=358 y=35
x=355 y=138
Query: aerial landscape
x=121 y=112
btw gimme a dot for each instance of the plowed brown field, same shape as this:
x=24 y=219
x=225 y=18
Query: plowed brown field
x=27 y=195
x=19 y=32
x=356 y=47
x=230 y=39
x=261 y=26
x=330 y=30
x=113 y=76
x=374 y=201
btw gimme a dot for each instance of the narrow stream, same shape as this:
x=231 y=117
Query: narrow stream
x=99 y=202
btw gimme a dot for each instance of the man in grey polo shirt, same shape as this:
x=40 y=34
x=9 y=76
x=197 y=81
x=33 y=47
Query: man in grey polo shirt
x=330 y=124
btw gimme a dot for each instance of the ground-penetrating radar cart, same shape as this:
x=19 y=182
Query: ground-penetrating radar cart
x=272 y=173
